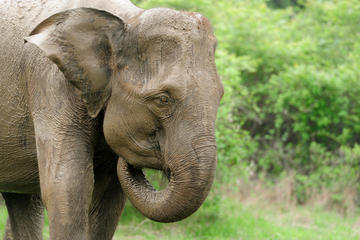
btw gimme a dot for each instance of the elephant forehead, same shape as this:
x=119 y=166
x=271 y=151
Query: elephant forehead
x=172 y=50
x=169 y=23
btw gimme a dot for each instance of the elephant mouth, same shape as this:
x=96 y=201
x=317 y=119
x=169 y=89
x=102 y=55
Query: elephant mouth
x=139 y=160
x=156 y=178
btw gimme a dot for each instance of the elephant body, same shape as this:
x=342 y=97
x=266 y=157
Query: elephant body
x=23 y=66
x=80 y=110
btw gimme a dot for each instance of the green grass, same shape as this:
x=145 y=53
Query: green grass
x=232 y=220
x=226 y=218
x=3 y=216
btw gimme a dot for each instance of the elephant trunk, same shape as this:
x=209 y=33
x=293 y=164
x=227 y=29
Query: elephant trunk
x=190 y=179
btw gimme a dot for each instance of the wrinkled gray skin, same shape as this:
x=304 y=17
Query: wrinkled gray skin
x=95 y=95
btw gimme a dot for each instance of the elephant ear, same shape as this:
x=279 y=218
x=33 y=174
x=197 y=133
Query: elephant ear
x=83 y=42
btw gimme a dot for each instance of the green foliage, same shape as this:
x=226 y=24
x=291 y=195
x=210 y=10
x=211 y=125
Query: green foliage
x=285 y=3
x=3 y=216
x=334 y=172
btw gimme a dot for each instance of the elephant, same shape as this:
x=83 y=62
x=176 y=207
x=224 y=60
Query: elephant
x=93 y=92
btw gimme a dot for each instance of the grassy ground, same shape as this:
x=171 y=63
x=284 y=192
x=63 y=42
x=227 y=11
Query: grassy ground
x=227 y=218
x=236 y=221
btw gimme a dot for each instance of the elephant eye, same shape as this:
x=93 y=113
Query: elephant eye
x=162 y=104
x=163 y=99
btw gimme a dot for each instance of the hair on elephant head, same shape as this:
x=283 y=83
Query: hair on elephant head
x=156 y=78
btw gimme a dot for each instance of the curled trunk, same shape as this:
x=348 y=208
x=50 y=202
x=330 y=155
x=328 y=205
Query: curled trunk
x=190 y=179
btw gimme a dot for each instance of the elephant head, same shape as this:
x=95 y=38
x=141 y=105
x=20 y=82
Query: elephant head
x=156 y=80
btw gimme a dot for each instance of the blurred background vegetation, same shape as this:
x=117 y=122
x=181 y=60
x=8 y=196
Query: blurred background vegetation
x=288 y=128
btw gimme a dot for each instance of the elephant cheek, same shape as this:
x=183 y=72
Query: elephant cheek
x=115 y=131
